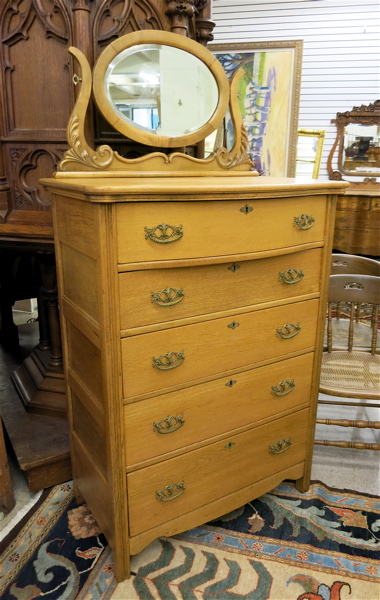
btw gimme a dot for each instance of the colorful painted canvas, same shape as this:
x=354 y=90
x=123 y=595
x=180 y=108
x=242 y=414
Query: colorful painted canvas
x=268 y=96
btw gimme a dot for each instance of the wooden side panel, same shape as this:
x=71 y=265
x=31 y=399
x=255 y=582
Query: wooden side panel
x=79 y=272
x=85 y=286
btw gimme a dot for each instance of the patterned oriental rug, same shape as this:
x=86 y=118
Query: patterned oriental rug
x=321 y=545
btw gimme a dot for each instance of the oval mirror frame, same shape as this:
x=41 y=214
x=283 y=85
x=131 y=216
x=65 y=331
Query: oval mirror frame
x=162 y=38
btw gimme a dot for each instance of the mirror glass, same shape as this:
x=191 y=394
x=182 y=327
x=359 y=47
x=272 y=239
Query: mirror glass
x=161 y=89
x=361 y=149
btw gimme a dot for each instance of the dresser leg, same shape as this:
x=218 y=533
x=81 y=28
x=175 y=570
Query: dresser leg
x=303 y=483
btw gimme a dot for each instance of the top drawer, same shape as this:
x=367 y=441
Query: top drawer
x=149 y=231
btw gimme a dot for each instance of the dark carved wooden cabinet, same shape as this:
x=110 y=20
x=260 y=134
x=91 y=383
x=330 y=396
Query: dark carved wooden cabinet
x=37 y=93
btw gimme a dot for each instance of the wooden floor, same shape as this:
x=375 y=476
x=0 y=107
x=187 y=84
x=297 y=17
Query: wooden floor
x=40 y=443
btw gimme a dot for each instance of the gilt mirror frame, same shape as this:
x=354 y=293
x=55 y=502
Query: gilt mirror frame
x=319 y=136
x=360 y=115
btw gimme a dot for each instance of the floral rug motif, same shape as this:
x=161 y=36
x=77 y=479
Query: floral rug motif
x=320 y=545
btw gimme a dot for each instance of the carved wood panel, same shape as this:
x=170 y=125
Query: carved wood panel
x=36 y=101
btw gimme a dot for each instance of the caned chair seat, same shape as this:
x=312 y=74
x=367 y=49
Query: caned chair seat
x=351 y=374
x=350 y=366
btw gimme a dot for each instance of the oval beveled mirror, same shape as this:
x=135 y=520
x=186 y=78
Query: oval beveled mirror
x=160 y=88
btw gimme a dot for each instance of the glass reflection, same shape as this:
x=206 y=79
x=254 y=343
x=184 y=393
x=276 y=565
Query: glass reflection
x=161 y=89
x=361 y=148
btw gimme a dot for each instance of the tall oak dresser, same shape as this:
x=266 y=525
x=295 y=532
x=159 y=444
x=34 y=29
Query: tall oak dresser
x=192 y=295
x=193 y=365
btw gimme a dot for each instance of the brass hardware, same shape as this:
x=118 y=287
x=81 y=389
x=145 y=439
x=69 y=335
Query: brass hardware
x=233 y=325
x=340 y=263
x=342 y=219
x=289 y=330
x=246 y=209
x=168 y=296
x=234 y=268
x=280 y=446
x=171 y=492
x=170 y=360
x=304 y=221
x=291 y=276
x=230 y=383
x=354 y=286
x=164 y=234
x=340 y=237
x=76 y=79
x=283 y=388
x=229 y=445
x=169 y=424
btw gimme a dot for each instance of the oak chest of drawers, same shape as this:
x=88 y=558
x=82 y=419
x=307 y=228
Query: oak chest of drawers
x=192 y=325
x=357 y=222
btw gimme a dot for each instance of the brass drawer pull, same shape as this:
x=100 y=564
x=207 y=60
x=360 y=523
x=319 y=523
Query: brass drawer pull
x=289 y=330
x=169 y=424
x=291 y=276
x=230 y=383
x=233 y=325
x=163 y=234
x=280 y=446
x=168 y=296
x=283 y=388
x=354 y=286
x=171 y=492
x=246 y=209
x=304 y=221
x=170 y=360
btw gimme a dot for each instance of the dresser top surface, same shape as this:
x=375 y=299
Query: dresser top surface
x=114 y=189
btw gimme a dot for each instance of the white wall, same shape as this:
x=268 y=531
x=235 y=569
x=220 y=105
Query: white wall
x=341 y=66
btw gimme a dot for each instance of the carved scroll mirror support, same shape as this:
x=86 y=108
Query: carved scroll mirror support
x=130 y=78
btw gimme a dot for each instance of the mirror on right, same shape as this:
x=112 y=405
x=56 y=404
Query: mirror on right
x=356 y=150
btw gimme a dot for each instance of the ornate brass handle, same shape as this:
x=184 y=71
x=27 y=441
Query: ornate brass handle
x=171 y=492
x=168 y=296
x=164 y=234
x=283 y=388
x=291 y=276
x=304 y=221
x=170 y=360
x=289 y=330
x=169 y=424
x=280 y=446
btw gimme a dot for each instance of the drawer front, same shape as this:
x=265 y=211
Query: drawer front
x=348 y=202
x=172 y=421
x=161 y=359
x=357 y=219
x=171 y=488
x=161 y=295
x=175 y=230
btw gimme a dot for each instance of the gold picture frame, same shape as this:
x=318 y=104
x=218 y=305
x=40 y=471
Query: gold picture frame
x=269 y=96
x=309 y=154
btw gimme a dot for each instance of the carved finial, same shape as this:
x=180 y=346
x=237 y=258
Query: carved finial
x=204 y=29
x=180 y=11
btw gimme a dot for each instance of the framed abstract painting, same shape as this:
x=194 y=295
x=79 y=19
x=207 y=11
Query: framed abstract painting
x=269 y=96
